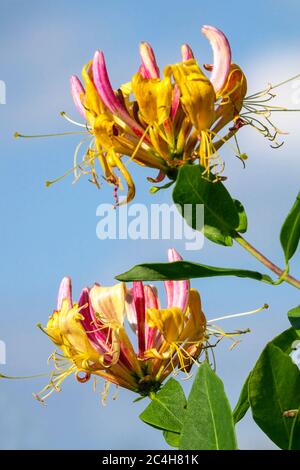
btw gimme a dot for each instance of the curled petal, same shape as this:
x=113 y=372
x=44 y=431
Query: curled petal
x=208 y=67
x=65 y=293
x=186 y=52
x=160 y=177
x=127 y=176
x=78 y=94
x=149 y=65
x=222 y=56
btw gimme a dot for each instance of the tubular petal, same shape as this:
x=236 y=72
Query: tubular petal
x=102 y=83
x=151 y=301
x=139 y=302
x=65 y=292
x=175 y=101
x=186 y=52
x=130 y=310
x=78 y=94
x=149 y=65
x=222 y=56
x=106 y=92
x=180 y=288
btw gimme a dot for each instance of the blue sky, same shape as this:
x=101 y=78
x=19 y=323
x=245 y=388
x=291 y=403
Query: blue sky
x=48 y=233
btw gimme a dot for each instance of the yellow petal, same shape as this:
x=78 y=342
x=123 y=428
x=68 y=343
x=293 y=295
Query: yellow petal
x=109 y=303
x=66 y=330
x=154 y=97
x=197 y=93
x=92 y=104
x=126 y=175
x=169 y=322
x=233 y=95
x=104 y=131
x=195 y=326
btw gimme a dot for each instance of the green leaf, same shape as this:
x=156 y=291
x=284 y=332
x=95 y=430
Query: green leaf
x=274 y=387
x=243 y=221
x=285 y=340
x=243 y=404
x=185 y=270
x=167 y=408
x=294 y=317
x=290 y=231
x=208 y=423
x=222 y=216
x=172 y=438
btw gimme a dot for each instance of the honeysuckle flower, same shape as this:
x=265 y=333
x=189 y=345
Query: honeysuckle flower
x=165 y=119
x=92 y=338
x=159 y=120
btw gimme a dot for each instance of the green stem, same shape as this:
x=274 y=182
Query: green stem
x=254 y=252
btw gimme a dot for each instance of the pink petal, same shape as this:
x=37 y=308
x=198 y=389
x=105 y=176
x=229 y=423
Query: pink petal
x=77 y=92
x=151 y=301
x=130 y=310
x=169 y=286
x=149 y=67
x=65 y=292
x=102 y=83
x=139 y=302
x=143 y=72
x=181 y=289
x=222 y=56
x=106 y=92
x=175 y=101
x=186 y=52
x=91 y=324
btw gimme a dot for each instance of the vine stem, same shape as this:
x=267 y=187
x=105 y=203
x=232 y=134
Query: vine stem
x=260 y=257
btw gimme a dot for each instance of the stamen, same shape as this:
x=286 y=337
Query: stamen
x=17 y=135
x=251 y=312
x=104 y=394
x=71 y=170
x=65 y=116
x=77 y=176
x=140 y=142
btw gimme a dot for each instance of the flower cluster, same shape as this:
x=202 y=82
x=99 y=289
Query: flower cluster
x=92 y=338
x=159 y=120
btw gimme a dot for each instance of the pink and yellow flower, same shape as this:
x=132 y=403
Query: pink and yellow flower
x=93 y=339
x=160 y=120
